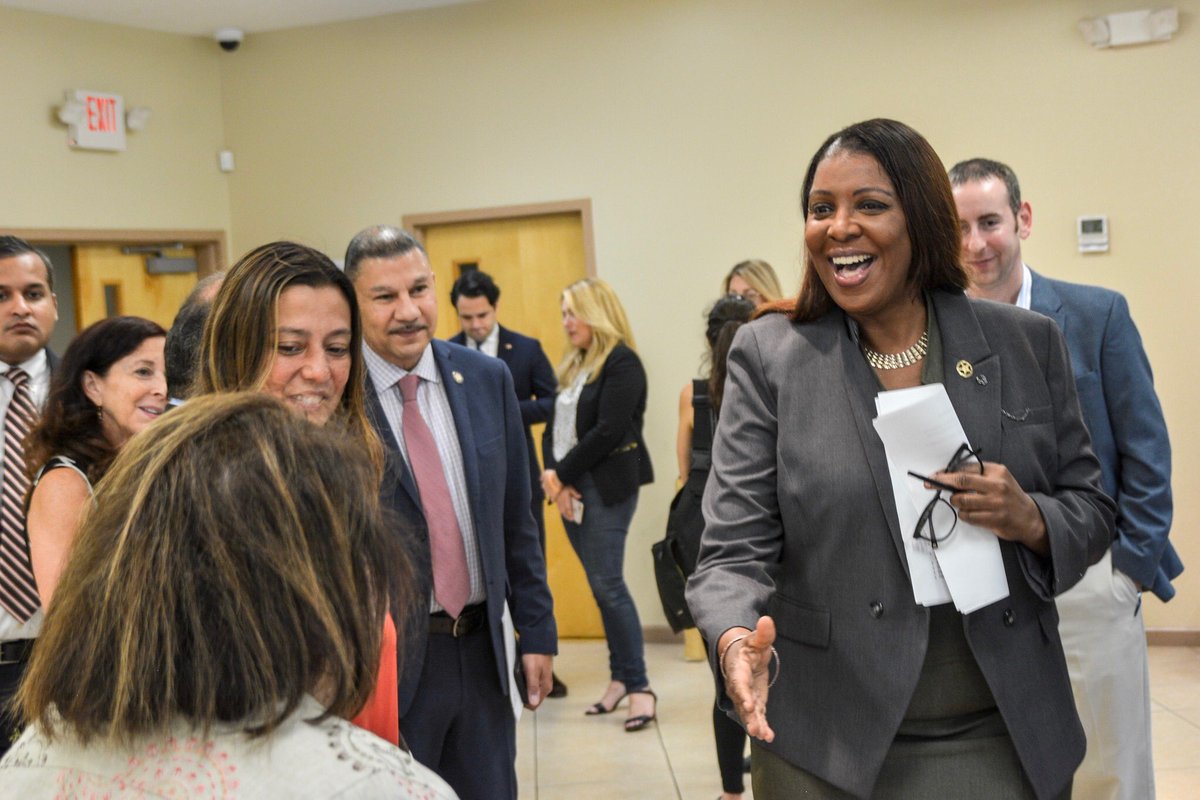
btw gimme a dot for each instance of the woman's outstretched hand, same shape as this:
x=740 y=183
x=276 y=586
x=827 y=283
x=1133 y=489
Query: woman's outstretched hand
x=746 y=667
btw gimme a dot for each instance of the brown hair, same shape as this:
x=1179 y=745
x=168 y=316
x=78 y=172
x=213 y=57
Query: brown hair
x=923 y=190
x=980 y=169
x=236 y=559
x=240 y=336
x=70 y=423
x=724 y=318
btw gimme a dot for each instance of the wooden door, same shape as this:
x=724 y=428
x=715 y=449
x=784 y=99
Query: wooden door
x=109 y=283
x=531 y=258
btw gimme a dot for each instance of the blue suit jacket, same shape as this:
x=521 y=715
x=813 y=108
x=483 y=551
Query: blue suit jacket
x=481 y=397
x=535 y=384
x=1122 y=412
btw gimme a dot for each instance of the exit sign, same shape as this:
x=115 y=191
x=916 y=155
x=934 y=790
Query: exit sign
x=102 y=125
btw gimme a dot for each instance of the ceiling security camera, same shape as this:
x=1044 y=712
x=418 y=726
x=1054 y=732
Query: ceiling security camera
x=229 y=38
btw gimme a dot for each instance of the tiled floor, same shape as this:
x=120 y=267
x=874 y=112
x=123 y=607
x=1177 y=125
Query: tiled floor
x=563 y=755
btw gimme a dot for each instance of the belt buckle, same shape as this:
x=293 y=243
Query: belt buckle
x=6 y=661
x=454 y=628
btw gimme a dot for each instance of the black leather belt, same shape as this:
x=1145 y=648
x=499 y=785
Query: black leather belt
x=16 y=651
x=473 y=618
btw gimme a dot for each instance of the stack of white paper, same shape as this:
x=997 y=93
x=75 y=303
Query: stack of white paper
x=921 y=432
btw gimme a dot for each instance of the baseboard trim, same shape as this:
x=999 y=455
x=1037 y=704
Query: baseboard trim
x=1173 y=637
x=660 y=634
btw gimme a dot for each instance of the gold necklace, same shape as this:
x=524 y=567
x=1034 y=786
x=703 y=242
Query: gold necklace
x=905 y=358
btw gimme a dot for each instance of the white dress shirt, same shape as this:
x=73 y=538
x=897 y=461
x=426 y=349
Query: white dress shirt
x=490 y=345
x=1025 y=296
x=435 y=408
x=38 y=368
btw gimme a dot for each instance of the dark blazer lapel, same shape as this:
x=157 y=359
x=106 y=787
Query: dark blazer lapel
x=504 y=347
x=861 y=386
x=457 y=383
x=394 y=466
x=971 y=372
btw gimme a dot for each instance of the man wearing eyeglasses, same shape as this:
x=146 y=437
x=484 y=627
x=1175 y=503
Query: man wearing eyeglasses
x=1100 y=618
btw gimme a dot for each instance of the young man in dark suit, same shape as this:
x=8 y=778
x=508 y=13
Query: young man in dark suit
x=457 y=474
x=1101 y=620
x=476 y=299
x=28 y=311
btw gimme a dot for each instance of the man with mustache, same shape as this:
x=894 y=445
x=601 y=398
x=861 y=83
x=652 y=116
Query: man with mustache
x=1100 y=617
x=28 y=311
x=458 y=474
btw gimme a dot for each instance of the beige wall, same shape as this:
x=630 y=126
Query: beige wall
x=167 y=178
x=688 y=123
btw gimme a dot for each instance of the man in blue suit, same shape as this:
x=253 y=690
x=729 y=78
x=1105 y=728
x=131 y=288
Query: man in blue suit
x=457 y=474
x=476 y=297
x=1101 y=621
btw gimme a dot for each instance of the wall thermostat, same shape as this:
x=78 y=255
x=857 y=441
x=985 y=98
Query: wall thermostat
x=1093 y=233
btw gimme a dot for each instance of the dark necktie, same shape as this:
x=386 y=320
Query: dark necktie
x=18 y=590
x=451 y=582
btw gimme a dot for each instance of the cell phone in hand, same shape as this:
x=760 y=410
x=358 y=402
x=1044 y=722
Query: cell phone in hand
x=576 y=510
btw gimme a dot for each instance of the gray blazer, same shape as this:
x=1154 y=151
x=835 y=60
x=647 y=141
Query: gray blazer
x=801 y=525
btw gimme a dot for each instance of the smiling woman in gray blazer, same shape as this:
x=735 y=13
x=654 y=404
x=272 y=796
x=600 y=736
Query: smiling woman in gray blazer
x=803 y=574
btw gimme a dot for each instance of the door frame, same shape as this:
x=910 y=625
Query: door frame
x=209 y=244
x=417 y=223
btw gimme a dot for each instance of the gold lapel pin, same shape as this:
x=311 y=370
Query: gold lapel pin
x=458 y=378
x=508 y=346
x=965 y=369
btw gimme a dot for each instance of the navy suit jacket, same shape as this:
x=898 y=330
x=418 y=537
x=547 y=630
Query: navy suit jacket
x=535 y=384
x=1122 y=412
x=479 y=389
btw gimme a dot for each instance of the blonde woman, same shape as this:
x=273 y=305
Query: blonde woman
x=754 y=280
x=596 y=460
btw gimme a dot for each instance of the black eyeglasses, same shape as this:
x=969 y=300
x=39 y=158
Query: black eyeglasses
x=939 y=519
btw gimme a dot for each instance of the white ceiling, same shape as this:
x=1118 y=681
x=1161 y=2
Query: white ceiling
x=202 y=17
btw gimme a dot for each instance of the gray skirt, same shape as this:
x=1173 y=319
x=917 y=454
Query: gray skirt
x=978 y=768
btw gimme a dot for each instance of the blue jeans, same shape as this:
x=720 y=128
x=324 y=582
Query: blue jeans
x=600 y=544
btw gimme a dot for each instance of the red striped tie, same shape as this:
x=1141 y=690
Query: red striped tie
x=18 y=590
x=451 y=581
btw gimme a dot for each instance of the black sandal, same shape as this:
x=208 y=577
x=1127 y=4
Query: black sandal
x=642 y=721
x=598 y=707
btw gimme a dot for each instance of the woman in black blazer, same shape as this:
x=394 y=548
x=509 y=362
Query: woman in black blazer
x=596 y=461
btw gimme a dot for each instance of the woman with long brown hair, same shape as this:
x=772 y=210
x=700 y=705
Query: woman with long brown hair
x=285 y=322
x=110 y=385
x=699 y=406
x=221 y=611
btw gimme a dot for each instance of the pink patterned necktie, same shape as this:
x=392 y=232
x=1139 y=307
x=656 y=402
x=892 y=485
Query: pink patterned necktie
x=451 y=583
x=18 y=590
